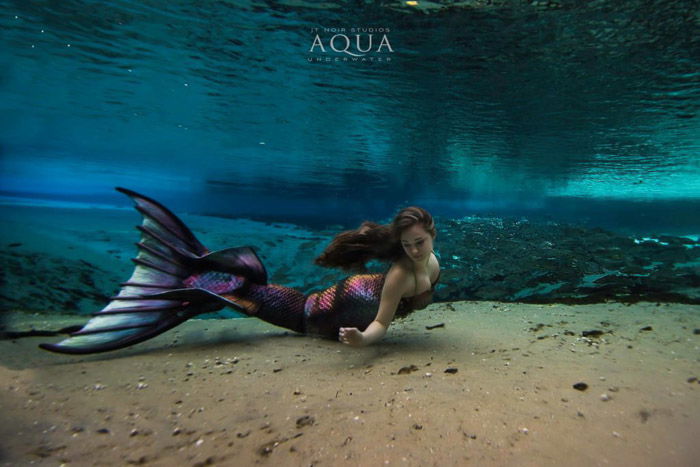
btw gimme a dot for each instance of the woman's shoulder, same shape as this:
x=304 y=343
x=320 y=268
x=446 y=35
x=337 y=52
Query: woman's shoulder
x=399 y=278
x=435 y=262
x=400 y=268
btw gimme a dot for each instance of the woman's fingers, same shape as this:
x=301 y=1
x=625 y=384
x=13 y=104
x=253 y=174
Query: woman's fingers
x=345 y=335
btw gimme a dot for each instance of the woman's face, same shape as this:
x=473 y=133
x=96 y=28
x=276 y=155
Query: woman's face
x=417 y=243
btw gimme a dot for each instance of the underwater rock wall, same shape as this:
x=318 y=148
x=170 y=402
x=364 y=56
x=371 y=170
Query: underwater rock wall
x=482 y=259
x=33 y=281
x=517 y=260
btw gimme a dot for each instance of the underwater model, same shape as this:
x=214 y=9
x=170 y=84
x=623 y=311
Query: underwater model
x=176 y=278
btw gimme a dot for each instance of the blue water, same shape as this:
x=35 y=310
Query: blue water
x=579 y=111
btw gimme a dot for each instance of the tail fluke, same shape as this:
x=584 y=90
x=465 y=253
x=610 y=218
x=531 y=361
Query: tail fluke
x=162 y=292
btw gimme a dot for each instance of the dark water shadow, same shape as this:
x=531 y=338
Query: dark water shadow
x=24 y=353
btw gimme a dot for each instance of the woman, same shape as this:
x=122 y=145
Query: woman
x=408 y=285
x=176 y=278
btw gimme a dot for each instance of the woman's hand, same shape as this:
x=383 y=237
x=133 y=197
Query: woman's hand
x=351 y=336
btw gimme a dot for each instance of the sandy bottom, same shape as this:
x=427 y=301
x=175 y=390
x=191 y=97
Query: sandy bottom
x=492 y=386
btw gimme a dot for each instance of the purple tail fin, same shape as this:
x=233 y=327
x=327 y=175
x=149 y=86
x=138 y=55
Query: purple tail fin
x=155 y=299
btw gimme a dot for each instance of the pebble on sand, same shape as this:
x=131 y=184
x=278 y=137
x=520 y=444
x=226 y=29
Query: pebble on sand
x=306 y=420
x=407 y=369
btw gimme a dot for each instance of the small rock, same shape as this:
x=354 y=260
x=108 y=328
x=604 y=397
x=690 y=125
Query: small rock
x=605 y=397
x=306 y=420
x=177 y=431
x=208 y=461
x=134 y=432
x=580 y=386
x=267 y=448
x=647 y=328
x=416 y=426
x=103 y=431
x=407 y=369
x=593 y=333
x=140 y=461
x=696 y=331
x=451 y=370
x=644 y=415
x=692 y=379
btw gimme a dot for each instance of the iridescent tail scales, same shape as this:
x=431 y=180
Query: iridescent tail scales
x=161 y=293
x=352 y=302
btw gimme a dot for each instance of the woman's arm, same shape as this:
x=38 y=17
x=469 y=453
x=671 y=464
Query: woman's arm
x=394 y=286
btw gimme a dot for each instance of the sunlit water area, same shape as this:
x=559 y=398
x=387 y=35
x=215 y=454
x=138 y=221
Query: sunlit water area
x=580 y=111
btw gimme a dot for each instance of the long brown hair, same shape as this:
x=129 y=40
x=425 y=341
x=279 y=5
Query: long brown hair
x=352 y=249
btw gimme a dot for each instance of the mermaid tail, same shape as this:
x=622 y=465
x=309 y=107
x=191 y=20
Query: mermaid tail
x=158 y=296
x=176 y=278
